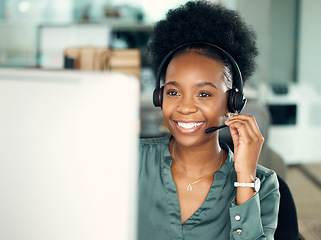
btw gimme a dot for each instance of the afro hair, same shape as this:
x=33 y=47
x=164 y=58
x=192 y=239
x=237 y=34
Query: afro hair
x=201 y=21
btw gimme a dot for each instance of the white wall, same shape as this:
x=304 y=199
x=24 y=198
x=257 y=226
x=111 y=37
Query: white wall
x=283 y=40
x=310 y=42
x=257 y=14
x=299 y=143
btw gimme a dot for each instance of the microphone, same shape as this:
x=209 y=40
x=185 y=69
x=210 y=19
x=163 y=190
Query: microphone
x=213 y=129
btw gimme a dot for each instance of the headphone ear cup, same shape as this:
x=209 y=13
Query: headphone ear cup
x=158 y=97
x=240 y=101
x=231 y=101
x=236 y=101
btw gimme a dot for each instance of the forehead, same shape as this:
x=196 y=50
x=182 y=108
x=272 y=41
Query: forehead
x=194 y=65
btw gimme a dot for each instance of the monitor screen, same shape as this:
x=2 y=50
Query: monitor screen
x=68 y=155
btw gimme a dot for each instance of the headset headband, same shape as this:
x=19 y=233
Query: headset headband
x=236 y=99
x=237 y=84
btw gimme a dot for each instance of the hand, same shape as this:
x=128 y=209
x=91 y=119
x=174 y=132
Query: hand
x=248 y=141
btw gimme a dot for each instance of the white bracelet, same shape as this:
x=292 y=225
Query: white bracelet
x=255 y=185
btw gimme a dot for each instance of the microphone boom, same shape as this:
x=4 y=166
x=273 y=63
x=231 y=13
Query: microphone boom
x=213 y=129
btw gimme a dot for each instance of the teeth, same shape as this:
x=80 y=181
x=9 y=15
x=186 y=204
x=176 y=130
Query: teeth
x=189 y=125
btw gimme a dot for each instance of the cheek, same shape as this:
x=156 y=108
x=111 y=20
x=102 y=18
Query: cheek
x=216 y=111
x=167 y=110
x=167 y=116
x=223 y=103
x=220 y=105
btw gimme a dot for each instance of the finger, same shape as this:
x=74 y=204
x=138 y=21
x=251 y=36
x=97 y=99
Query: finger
x=244 y=131
x=241 y=125
x=249 y=119
x=246 y=134
x=235 y=135
x=241 y=133
x=249 y=123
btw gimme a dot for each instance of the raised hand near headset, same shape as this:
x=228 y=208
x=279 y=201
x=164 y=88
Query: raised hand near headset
x=248 y=141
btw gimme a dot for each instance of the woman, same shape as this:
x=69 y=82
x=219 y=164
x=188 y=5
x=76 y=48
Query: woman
x=191 y=187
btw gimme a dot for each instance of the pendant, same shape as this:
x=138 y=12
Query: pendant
x=189 y=188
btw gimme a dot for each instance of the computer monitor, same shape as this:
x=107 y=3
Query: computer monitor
x=68 y=155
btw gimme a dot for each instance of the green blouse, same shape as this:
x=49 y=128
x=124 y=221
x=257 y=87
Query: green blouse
x=218 y=217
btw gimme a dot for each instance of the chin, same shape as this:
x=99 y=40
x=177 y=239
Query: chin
x=193 y=140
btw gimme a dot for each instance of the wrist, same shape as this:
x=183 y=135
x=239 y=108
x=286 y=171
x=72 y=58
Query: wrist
x=255 y=185
x=246 y=177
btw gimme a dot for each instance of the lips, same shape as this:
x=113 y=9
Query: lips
x=188 y=127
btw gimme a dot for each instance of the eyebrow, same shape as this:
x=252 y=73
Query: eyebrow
x=172 y=83
x=201 y=84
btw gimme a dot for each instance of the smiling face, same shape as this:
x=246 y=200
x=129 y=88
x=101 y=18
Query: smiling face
x=195 y=97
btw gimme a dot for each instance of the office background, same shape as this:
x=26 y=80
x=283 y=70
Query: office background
x=287 y=82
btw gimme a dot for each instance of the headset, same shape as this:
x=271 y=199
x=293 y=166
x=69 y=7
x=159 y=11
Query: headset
x=236 y=99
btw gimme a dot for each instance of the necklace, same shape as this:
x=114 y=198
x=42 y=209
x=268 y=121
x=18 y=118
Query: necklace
x=189 y=186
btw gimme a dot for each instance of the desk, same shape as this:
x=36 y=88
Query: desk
x=310 y=229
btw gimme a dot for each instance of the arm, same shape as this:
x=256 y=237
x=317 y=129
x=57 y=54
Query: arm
x=248 y=141
x=259 y=211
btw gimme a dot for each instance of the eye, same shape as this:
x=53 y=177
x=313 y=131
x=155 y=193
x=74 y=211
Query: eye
x=204 y=94
x=172 y=93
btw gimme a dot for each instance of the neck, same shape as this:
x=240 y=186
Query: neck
x=198 y=161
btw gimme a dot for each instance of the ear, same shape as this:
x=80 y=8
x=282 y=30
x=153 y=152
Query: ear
x=227 y=113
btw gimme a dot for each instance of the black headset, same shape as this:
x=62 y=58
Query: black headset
x=236 y=99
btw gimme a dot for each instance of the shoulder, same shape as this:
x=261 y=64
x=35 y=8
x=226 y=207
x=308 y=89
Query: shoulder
x=153 y=141
x=147 y=143
x=152 y=151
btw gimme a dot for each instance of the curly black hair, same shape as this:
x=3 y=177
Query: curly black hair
x=201 y=21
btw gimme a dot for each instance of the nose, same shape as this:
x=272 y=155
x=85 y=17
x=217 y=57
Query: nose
x=187 y=105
